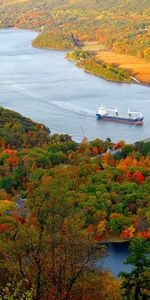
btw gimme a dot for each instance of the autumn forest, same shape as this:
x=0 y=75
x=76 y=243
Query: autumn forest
x=59 y=201
x=63 y=201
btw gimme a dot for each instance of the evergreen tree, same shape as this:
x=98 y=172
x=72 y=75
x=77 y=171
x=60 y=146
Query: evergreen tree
x=136 y=284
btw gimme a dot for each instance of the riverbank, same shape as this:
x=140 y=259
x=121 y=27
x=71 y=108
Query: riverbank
x=87 y=60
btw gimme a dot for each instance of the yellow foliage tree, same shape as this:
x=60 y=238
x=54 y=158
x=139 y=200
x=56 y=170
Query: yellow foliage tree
x=6 y=205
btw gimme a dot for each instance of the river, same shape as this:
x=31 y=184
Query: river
x=42 y=85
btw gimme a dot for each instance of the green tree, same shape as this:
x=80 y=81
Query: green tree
x=136 y=284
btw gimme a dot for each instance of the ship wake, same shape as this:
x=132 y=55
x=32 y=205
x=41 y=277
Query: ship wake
x=73 y=108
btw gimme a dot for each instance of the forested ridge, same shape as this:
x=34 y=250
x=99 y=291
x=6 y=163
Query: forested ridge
x=59 y=200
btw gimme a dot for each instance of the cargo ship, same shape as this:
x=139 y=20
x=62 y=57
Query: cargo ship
x=107 y=114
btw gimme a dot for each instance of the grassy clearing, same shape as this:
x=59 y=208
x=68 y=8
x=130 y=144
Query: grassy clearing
x=135 y=66
x=93 y=46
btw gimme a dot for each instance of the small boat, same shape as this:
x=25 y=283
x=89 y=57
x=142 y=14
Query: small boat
x=107 y=114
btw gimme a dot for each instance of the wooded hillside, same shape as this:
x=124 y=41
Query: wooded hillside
x=59 y=201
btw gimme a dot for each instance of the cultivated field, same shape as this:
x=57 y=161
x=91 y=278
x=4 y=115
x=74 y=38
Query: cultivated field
x=136 y=67
x=93 y=46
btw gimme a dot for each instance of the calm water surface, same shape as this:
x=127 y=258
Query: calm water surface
x=42 y=85
x=114 y=261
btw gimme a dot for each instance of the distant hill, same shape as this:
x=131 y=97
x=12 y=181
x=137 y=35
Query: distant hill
x=111 y=5
x=124 y=5
x=10 y=2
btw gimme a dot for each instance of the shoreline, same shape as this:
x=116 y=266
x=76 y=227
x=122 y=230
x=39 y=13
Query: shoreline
x=116 y=81
x=77 y=64
x=133 y=80
x=115 y=240
x=50 y=49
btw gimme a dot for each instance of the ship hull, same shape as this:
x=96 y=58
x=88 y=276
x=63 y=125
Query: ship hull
x=133 y=121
